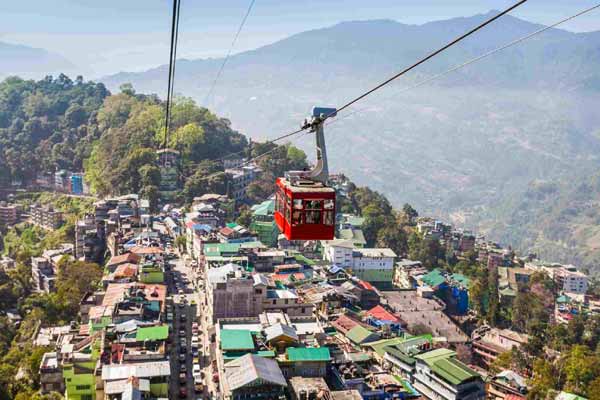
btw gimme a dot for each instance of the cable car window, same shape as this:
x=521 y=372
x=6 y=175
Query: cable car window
x=313 y=217
x=328 y=218
x=314 y=204
x=297 y=204
x=296 y=218
x=329 y=204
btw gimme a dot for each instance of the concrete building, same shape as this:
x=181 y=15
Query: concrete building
x=241 y=177
x=46 y=216
x=375 y=266
x=42 y=273
x=86 y=234
x=339 y=252
x=439 y=375
x=232 y=292
x=488 y=343
x=569 y=280
x=9 y=214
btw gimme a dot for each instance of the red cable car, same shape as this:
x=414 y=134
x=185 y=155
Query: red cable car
x=304 y=204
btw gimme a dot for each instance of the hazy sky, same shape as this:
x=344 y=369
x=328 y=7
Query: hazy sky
x=107 y=36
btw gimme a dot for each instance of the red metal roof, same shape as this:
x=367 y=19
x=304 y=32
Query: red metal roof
x=366 y=285
x=382 y=314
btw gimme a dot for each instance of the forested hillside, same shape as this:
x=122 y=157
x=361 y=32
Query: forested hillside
x=59 y=123
x=46 y=124
x=558 y=220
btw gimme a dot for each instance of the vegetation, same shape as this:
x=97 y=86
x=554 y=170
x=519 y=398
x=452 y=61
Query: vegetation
x=46 y=124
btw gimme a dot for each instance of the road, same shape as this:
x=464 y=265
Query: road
x=184 y=315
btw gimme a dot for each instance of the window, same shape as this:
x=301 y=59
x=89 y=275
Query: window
x=314 y=204
x=328 y=217
x=313 y=217
x=286 y=301
x=257 y=291
x=82 y=387
x=86 y=397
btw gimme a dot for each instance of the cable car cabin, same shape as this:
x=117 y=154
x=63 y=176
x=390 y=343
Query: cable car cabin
x=305 y=209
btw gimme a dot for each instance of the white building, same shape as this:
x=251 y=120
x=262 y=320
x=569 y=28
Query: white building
x=570 y=280
x=339 y=252
x=374 y=265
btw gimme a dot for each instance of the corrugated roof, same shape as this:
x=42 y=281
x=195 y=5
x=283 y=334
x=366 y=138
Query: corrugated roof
x=360 y=334
x=432 y=356
x=308 y=354
x=113 y=372
x=453 y=371
x=251 y=368
x=434 y=278
x=382 y=314
x=160 y=332
x=236 y=339
x=405 y=358
x=278 y=330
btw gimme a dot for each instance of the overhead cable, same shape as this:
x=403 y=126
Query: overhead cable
x=476 y=59
x=235 y=38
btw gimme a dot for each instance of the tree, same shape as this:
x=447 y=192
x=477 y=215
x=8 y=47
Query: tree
x=393 y=236
x=581 y=368
x=75 y=278
x=245 y=218
x=544 y=379
x=181 y=243
x=409 y=213
x=152 y=194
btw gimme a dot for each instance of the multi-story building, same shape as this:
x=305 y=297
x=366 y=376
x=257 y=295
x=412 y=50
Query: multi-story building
x=9 y=214
x=77 y=183
x=489 y=343
x=439 y=375
x=569 y=280
x=375 y=265
x=231 y=292
x=339 y=252
x=263 y=223
x=241 y=177
x=46 y=216
x=42 y=273
x=85 y=234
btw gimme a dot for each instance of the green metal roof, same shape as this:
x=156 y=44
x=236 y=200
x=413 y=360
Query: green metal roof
x=434 y=278
x=236 y=339
x=359 y=334
x=160 y=332
x=303 y=260
x=355 y=235
x=308 y=354
x=563 y=299
x=355 y=221
x=434 y=355
x=265 y=208
x=218 y=249
x=380 y=345
x=463 y=280
x=453 y=371
x=405 y=358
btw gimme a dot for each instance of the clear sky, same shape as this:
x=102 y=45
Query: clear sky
x=107 y=36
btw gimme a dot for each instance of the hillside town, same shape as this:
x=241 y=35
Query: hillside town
x=194 y=305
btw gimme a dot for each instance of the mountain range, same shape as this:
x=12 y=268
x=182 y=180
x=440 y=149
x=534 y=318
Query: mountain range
x=30 y=62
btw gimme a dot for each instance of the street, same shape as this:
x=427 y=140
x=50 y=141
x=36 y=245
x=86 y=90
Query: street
x=183 y=352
